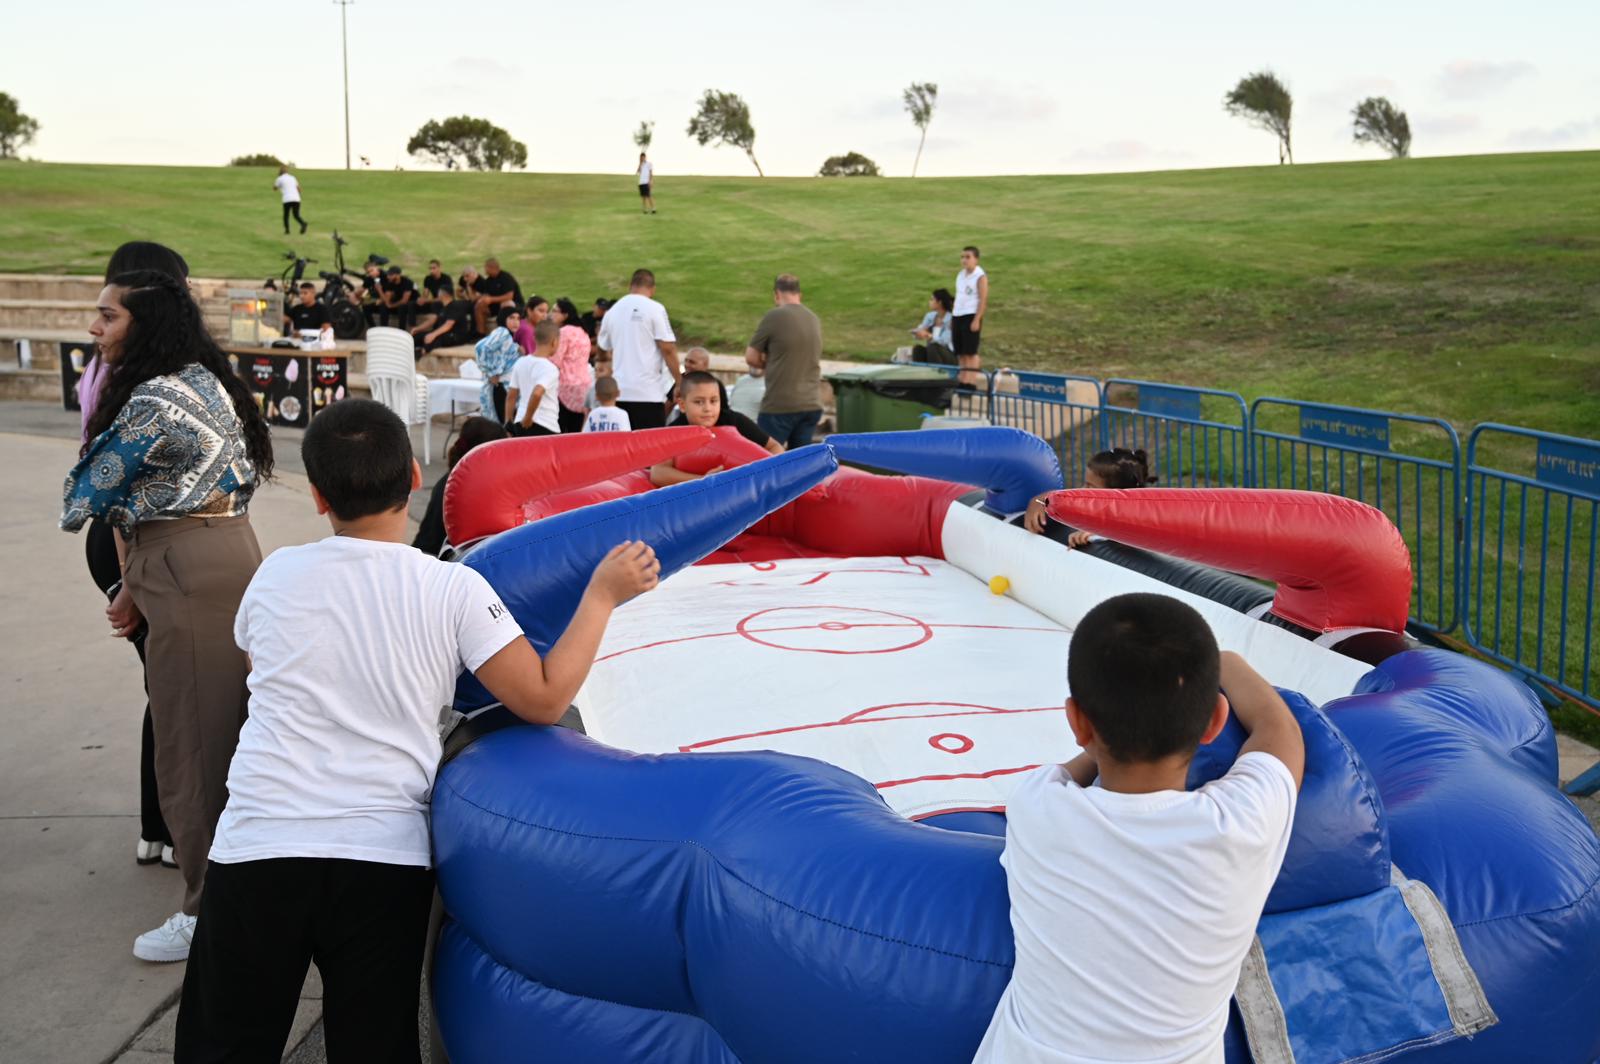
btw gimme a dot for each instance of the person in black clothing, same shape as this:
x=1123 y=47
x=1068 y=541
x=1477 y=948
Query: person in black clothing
x=429 y=305
x=467 y=284
x=372 y=305
x=474 y=431
x=307 y=314
x=695 y=397
x=453 y=325
x=496 y=290
x=591 y=318
x=400 y=298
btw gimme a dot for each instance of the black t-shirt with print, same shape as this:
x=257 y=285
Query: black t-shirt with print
x=313 y=317
x=499 y=285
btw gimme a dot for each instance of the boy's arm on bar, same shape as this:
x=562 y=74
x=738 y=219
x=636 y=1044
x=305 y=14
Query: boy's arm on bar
x=1264 y=716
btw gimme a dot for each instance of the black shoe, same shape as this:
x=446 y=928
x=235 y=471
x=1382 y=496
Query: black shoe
x=302 y=227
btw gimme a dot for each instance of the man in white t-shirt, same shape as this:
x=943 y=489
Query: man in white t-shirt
x=966 y=317
x=289 y=188
x=1134 y=900
x=532 y=390
x=647 y=199
x=644 y=353
x=322 y=852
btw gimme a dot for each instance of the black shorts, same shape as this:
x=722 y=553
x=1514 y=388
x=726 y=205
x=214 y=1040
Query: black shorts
x=645 y=415
x=644 y=189
x=961 y=334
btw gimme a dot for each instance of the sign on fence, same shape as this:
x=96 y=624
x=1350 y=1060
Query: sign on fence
x=1169 y=402
x=1365 y=429
x=1569 y=464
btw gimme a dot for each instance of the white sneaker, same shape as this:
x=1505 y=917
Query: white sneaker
x=147 y=852
x=167 y=943
x=168 y=858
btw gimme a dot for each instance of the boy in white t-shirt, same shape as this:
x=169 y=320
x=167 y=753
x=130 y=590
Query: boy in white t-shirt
x=322 y=852
x=1134 y=900
x=606 y=416
x=531 y=408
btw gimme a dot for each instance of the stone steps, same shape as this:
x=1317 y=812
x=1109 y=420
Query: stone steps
x=49 y=314
x=31 y=385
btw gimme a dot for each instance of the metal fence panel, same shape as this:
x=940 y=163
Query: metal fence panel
x=1407 y=466
x=1061 y=409
x=1532 y=518
x=1195 y=437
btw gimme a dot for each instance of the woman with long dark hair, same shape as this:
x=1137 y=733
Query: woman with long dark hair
x=176 y=448
x=572 y=361
x=100 y=550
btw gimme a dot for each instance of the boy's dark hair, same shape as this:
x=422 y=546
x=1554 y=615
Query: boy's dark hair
x=1122 y=468
x=304 y=285
x=546 y=332
x=974 y=251
x=1144 y=669
x=693 y=379
x=358 y=455
x=607 y=388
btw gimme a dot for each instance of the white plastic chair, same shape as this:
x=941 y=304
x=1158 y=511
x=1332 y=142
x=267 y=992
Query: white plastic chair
x=393 y=378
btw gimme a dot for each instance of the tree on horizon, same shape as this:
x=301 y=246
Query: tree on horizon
x=725 y=118
x=920 y=98
x=1264 y=101
x=850 y=164
x=16 y=128
x=1377 y=121
x=475 y=143
x=644 y=135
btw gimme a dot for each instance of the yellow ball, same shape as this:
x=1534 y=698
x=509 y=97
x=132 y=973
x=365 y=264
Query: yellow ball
x=999 y=585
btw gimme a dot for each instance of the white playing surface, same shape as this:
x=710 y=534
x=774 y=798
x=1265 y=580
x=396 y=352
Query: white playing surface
x=908 y=672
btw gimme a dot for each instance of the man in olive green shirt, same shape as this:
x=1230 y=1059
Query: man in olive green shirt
x=788 y=342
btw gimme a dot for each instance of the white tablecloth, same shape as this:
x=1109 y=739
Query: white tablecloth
x=452 y=395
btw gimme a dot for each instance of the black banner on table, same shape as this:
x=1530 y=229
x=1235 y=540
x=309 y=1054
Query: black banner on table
x=291 y=386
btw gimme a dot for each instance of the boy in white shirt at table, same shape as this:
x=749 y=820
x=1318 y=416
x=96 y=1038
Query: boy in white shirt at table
x=606 y=416
x=322 y=852
x=531 y=408
x=1133 y=899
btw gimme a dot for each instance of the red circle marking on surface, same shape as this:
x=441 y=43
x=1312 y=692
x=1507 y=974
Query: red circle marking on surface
x=866 y=632
x=960 y=745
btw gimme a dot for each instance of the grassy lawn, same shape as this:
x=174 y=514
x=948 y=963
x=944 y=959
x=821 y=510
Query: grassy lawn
x=1466 y=288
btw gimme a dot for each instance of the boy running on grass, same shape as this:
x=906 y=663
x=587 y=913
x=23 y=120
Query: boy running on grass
x=323 y=853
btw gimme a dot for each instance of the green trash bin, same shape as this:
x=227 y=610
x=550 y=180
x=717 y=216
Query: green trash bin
x=888 y=398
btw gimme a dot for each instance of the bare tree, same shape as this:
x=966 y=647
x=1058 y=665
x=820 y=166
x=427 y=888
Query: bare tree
x=644 y=135
x=1377 y=121
x=919 y=99
x=1264 y=101
x=725 y=118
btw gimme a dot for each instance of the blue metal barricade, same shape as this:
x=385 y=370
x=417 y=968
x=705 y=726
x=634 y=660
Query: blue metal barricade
x=1528 y=596
x=1407 y=466
x=1195 y=437
x=1061 y=409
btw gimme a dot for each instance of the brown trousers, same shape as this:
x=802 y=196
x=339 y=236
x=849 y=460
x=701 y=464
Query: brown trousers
x=187 y=576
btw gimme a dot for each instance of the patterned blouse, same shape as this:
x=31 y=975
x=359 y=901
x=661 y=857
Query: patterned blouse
x=176 y=449
x=572 y=359
x=495 y=355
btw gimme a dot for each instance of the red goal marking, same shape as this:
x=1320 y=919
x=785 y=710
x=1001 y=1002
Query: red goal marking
x=850 y=630
x=864 y=716
x=951 y=743
x=749 y=632
x=956 y=776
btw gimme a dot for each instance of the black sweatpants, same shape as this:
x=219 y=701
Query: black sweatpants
x=645 y=415
x=261 y=925
x=293 y=207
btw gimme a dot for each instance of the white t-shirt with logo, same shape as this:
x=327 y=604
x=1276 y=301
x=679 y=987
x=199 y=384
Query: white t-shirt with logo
x=967 y=292
x=630 y=331
x=288 y=187
x=355 y=647
x=607 y=419
x=1133 y=912
x=532 y=372
x=645 y=170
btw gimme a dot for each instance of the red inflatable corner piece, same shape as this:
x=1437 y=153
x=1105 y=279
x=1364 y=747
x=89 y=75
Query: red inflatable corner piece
x=1338 y=563
x=488 y=488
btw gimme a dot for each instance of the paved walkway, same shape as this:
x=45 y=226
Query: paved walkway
x=73 y=899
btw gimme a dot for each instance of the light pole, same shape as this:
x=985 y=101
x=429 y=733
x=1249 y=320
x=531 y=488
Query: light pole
x=344 y=47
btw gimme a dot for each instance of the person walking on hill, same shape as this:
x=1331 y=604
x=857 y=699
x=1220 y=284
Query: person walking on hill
x=966 y=319
x=288 y=187
x=647 y=199
x=788 y=343
x=638 y=336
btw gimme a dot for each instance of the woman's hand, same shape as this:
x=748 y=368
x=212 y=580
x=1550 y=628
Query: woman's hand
x=628 y=569
x=124 y=616
x=1079 y=538
x=1036 y=518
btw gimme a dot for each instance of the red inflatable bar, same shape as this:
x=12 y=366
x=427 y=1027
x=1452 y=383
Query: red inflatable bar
x=1338 y=563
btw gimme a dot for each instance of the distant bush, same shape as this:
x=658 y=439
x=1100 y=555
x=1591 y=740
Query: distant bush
x=260 y=158
x=853 y=164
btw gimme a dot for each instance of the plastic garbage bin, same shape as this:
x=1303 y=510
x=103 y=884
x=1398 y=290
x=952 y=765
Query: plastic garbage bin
x=888 y=398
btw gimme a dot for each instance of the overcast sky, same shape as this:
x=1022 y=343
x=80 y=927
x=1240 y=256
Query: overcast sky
x=1024 y=87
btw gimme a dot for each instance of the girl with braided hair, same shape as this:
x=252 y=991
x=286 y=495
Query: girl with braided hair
x=1116 y=468
x=173 y=452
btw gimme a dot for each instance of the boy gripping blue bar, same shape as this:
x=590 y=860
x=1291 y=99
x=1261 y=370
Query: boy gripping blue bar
x=1012 y=465
x=541 y=569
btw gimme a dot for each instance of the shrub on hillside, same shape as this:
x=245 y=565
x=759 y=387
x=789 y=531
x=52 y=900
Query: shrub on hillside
x=260 y=158
x=852 y=164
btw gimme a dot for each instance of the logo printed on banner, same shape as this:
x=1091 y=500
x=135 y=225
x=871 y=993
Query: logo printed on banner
x=1169 y=402
x=1327 y=424
x=1570 y=464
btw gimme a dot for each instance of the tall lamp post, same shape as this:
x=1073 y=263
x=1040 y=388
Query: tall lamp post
x=344 y=47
